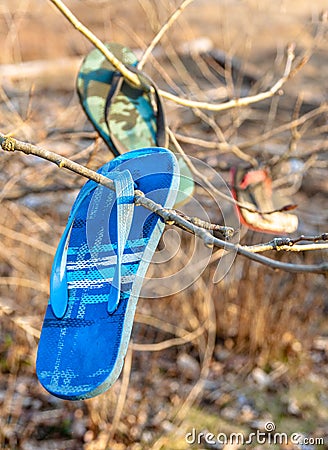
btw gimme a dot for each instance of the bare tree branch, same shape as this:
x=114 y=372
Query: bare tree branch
x=169 y=216
x=133 y=78
x=162 y=31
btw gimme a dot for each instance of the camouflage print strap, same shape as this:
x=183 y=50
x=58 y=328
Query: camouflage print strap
x=146 y=83
x=117 y=82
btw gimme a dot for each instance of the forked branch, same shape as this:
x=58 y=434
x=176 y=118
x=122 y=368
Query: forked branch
x=133 y=78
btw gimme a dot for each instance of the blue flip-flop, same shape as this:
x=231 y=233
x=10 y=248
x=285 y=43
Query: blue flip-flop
x=98 y=272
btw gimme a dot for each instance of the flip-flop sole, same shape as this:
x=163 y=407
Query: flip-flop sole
x=259 y=194
x=133 y=119
x=82 y=354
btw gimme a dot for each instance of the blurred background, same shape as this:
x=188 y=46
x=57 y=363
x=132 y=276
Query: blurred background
x=219 y=357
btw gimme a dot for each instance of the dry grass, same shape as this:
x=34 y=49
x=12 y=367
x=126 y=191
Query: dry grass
x=257 y=318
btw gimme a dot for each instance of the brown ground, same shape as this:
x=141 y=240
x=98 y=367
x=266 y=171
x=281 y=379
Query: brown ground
x=261 y=351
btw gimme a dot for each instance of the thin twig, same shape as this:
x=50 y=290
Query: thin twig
x=170 y=21
x=24 y=282
x=204 y=224
x=223 y=147
x=169 y=216
x=122 y=395
x=163 y=345
x=207 y=358
x=27 y=240
x=160 y=324
x=290 y=245
x=285 y=127
x=260 y=248
x=24 y=322
x=179 y=415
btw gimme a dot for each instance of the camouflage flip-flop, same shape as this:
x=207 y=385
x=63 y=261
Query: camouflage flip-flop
x=124 y=115
x=253 y=188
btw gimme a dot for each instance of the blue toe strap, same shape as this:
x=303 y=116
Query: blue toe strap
x=58 y=277
x=124 y=189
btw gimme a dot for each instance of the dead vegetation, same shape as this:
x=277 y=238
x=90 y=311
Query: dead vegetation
x=220 y=356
